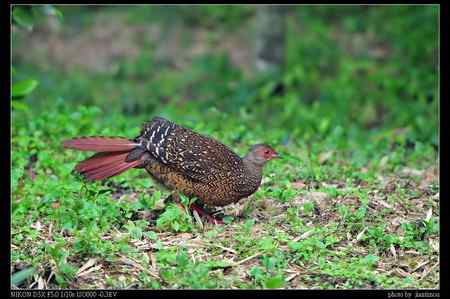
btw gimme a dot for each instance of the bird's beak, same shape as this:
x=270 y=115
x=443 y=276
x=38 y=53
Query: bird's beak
x=276 y=156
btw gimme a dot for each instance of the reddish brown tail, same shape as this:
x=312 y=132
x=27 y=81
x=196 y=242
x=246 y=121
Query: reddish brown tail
x=104 y=165
x=100 y=144
x=110 y=159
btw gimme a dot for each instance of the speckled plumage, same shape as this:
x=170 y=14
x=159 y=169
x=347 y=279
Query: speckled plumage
x=184 y=161
x=195 y=165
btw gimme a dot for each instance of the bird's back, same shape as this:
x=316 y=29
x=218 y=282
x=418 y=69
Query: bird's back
x=198 y=157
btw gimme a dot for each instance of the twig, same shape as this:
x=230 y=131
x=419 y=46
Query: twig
x=429 y=271
x=132 y=262
x=420 y=266
x=34 y=282
x=197 y=218
x=292 y=276
x=50 y=277
x=223 y=247
x=50 y=228
x=402 y=272
x=92 y=269
x=153 y=262
x=91 y=262
x=303 y=236
x=247 y=259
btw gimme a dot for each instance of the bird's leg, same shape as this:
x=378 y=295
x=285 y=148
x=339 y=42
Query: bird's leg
x=194 y=207
x=176 y=198
x=202 y=212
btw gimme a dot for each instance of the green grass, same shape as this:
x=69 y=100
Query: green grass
x=354 y=203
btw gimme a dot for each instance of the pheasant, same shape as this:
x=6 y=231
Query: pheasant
x=180 y=159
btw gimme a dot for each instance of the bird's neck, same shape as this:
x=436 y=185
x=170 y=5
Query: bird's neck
x=251 y=179
x=253 y=170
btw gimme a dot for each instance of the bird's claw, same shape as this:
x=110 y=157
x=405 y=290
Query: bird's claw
x=209 y=218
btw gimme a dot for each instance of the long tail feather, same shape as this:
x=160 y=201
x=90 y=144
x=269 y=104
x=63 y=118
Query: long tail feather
x=105 y=168
x=112 y=171
x=104 y=165
x=100 y=144
x=100 y=159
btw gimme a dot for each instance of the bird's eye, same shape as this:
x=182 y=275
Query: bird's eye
x=266 y=152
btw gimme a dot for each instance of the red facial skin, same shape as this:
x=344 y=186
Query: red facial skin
x=268 y=153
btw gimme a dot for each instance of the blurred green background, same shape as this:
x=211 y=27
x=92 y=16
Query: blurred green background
x=369 y=67
x=362 y=80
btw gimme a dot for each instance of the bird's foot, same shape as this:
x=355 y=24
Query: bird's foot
x=211 y=219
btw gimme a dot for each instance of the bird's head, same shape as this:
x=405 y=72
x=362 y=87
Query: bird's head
x=259 y=154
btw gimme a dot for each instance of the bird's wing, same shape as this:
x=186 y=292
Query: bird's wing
x=196 y=156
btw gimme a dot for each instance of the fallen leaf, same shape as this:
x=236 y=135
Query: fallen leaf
x=298 y=185
x=185 y=235
x=87 y=265
x=434 y=244
x=41 y=283
x=37 y=225
x=304 y=235
x=393 y=251
x=300 y=200
x=429 y=271
x=411 y=172
x=359 y=236
x=384 y=161
x=402 y=272
x=318 y=196
x=429 y=177
x=325 y=156
x=153 y=261
x=385 y=204
x=398 y=221
x=436 y=196
x=412 y=252
x=429 y=214
x=420 y=266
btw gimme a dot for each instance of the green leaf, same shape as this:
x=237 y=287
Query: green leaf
x=295 y=245
x=151 y=235
x=67 y=269
x=182 y=259
x=227 y=219
x=136 y=233
x=176 y=226
x=23 y=88
x=275 y=282
x=22 y=18
x=371 y=260
x=18 y=277
x=267 y=244
x=184 y=200
x=256 y=272
x=50 y=10
x=16 y=105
